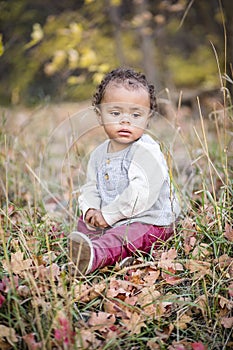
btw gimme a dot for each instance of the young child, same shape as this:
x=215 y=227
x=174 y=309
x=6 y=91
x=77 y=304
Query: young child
x=128 y=204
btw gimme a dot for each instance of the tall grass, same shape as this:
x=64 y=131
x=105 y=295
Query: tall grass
x=190 y=300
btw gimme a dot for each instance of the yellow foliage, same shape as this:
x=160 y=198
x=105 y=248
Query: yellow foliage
x=97 y=77
x=36 y=35
x=74 y=80
x=198 y=68
x=1 y=46
x=115 y=2
x=88 y=58
x=57 y=63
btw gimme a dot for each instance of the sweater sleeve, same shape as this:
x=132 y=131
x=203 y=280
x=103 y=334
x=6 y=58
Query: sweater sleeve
x=89 y=195
x=146 y=174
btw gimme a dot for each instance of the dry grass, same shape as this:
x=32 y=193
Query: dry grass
x=176 y=297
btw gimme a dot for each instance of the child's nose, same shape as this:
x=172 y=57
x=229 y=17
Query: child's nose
x=125 y=119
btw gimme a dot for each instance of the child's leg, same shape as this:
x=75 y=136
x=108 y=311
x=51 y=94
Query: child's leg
x=120 y=242
x=115 y=244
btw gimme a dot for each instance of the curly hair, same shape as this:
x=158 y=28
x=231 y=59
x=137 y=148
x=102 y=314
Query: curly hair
x=129 y=79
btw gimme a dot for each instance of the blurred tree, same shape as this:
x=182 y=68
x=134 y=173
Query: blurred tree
x=61 y=50
x=113 y=7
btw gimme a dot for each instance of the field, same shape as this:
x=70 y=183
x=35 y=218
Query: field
x=178 y=297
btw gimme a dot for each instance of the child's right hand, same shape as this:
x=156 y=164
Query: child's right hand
x=95 y=219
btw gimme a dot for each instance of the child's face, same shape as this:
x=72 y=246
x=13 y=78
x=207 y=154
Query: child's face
x=124 y=115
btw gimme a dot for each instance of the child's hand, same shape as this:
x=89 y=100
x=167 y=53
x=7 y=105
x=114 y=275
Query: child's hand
x=95 y=218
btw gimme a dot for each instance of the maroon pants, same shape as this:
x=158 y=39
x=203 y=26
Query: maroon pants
x=116 y=243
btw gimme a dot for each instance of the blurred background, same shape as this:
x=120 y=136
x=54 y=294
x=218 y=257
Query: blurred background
x=59 y=50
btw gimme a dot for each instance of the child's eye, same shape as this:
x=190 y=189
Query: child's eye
x=136 y=115
x=115 y=113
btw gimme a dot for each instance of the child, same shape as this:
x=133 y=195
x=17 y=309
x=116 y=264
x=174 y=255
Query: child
x=128 y=204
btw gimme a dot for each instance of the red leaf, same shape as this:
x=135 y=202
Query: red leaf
x=198 y=346
x=2 y=299
x=31 y=342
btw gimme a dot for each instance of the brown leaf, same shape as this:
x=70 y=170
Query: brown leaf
x=4 y=345
x=167 y=261
x=170 y=276
x=81 y=292
x=119 y=308
x=23 y=291
x=201 y=268
x=201 y=251
x=227 y=322
x=117 y=287
x=151 y=276
x=150 y=303
x=225 y=302
x=152 y=344
x=86 y=339
x=230 y=290
x=171 y=254
x=228 y=232
x=9 y=334
x=135 y=323
x=17 y=263
x=101 y=320
x=182 y=322
x=202 y=302
x=49 y=273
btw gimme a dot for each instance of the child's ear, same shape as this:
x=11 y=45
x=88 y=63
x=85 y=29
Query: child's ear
x=99 y=115
x=149 y=120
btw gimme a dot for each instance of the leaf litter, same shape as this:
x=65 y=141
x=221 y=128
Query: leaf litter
x=164 y=294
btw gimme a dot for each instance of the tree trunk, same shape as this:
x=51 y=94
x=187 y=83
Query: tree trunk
x=146 y=42
x=115 y=19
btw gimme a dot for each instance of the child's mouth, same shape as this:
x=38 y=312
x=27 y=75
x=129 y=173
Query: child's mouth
x=124 y=132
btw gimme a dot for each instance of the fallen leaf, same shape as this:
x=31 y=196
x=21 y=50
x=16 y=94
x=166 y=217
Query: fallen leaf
x=230 y=290
x=200 y=268
x=153 y=345
x=9 y=334
x=171 y=254
x=182 y=322
x=227 y=322
x=151 y=276
x=6 y=283
x=201 y=251
x=225 y=302
x=23 y=291
x=117 y=287
x=32 y=344
x=198 y=346
x=228 y=232
x=50 y=273
x=17 y=263
x=2 y=299
x=202 y=302
x=4 y=345
x=150 y=303
x=101 y=320
x=170 y=276
x=86 y=339
x=135 y=323
x=96 y=290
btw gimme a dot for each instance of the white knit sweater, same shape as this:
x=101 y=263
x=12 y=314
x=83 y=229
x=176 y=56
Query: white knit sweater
x=132 y=185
